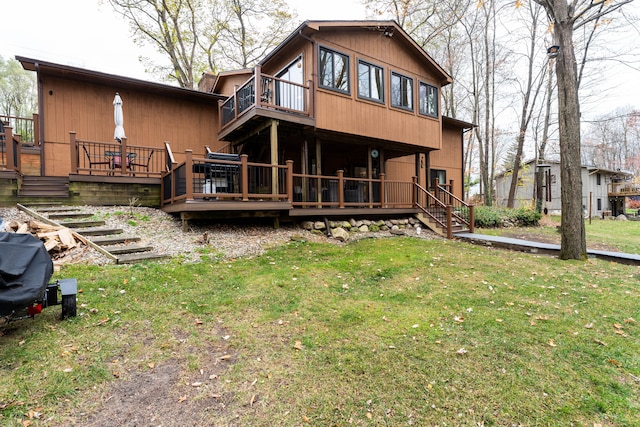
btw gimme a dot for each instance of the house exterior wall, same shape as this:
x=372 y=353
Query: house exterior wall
x=150 y=119
x=348 y=113
x=449 y=158
x=591 y=190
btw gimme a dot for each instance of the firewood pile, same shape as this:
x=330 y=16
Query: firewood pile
x=62 y=244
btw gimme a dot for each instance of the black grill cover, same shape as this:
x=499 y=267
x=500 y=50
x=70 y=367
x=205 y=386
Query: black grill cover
x=25 y=271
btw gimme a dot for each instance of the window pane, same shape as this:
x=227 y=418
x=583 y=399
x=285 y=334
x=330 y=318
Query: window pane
x=363 y=81
x=428 y=100
x=341 y=72
x=395 y=90
x=377 y=84
x=401 y=91
x=326 y=68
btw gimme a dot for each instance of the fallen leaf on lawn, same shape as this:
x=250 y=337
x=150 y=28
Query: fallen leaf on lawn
x=196 y=384
x=462 y=351
x=629 y=320
x=415 y=326
x=26 y=423
x=298 y=345
x=499 y=320
x=458 y=319
x=532 y=322
x=620 y=332
x=182 y=399
x=115 y=374
x=369 y=415
x=589 y=325
x=597 y=341
x=198 y=322
x=617 y=325
x=67 y=370
x=151 y=365
x=305 y=419
x=225 y=357
x=615 y=362
x=552 y=344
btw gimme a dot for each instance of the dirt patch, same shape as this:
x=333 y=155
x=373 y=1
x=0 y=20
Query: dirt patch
x=171 y=393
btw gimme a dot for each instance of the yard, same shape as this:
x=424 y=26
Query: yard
x=379 y=332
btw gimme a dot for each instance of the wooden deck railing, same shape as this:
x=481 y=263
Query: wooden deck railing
x=105 y=158
x=625 y=188
x=266 y=91
x=26 y=130
x=19 y=131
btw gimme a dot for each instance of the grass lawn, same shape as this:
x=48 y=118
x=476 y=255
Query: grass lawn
x=380 y=332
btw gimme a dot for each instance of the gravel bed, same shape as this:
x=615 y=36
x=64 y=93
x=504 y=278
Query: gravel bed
x=164 y=232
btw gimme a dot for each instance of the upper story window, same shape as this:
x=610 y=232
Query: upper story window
x=334 y=70
x=401 y=91
x=428 y=100
x=598 y=179
x=370 y=81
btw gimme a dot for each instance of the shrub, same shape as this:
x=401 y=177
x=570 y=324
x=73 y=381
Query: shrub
x=486 y=217
x=492 y=217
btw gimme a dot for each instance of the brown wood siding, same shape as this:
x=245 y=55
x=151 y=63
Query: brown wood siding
x=149 y=119
x=450 y=158
x=349 y=113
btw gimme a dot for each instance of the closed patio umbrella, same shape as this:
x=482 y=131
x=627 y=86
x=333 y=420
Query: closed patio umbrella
x=118 y=117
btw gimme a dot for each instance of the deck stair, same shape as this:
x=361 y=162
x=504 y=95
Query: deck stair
x=434 y=226
x=37 y=189
x=110 y=241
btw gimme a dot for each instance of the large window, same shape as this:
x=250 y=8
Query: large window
x=370 y=82
x=334 y=70
x=428 y=100
x=401 y=91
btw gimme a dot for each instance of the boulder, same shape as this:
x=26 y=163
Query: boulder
x=363 y=228
x=340 y=234
x=319 y=225
x=307 y=225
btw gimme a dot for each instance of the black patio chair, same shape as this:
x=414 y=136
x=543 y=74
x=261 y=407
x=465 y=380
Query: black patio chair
x=94 y=161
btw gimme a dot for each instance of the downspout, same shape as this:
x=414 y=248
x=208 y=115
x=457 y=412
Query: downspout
x=41 y=120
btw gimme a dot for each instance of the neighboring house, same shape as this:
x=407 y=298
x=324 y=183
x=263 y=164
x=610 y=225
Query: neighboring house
x=342 y=118
x=603 y=191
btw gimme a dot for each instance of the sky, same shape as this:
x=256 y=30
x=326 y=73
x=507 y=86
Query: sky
x=88 y=34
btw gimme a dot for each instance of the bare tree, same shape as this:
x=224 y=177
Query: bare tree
x=567 y=17
x=530 y=90
x=196 y=35
x=254 y=28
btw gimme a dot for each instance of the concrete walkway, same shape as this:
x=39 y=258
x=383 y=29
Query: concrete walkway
x=544 y=248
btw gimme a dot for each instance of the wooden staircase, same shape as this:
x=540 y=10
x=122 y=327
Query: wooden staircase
x=38 y=189
x=112 y=242
x=443 y=212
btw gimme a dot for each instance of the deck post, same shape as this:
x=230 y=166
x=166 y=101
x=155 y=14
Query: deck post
x=73 y=149
x=257 y=81
x=414 y=191
x=244 y=176
x=289 y=181
x=382 y=195
x=188 y=164
x=340 y=189
x=449 y=222
x=124 y=159
x=472 y=220
x=274 y=157
x=36 y=129
x=9 y=148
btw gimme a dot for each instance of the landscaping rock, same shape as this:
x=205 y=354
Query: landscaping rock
x=307 y=225
x=340 y=234
x=363 y=228
x=398 y=232
x=319 y=225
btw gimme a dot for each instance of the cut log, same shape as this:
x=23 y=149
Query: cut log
x=66 y=237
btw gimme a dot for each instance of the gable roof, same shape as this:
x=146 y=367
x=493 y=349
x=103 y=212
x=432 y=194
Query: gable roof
x=387 y=28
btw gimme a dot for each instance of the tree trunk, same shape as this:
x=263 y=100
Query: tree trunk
x=573 y=240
